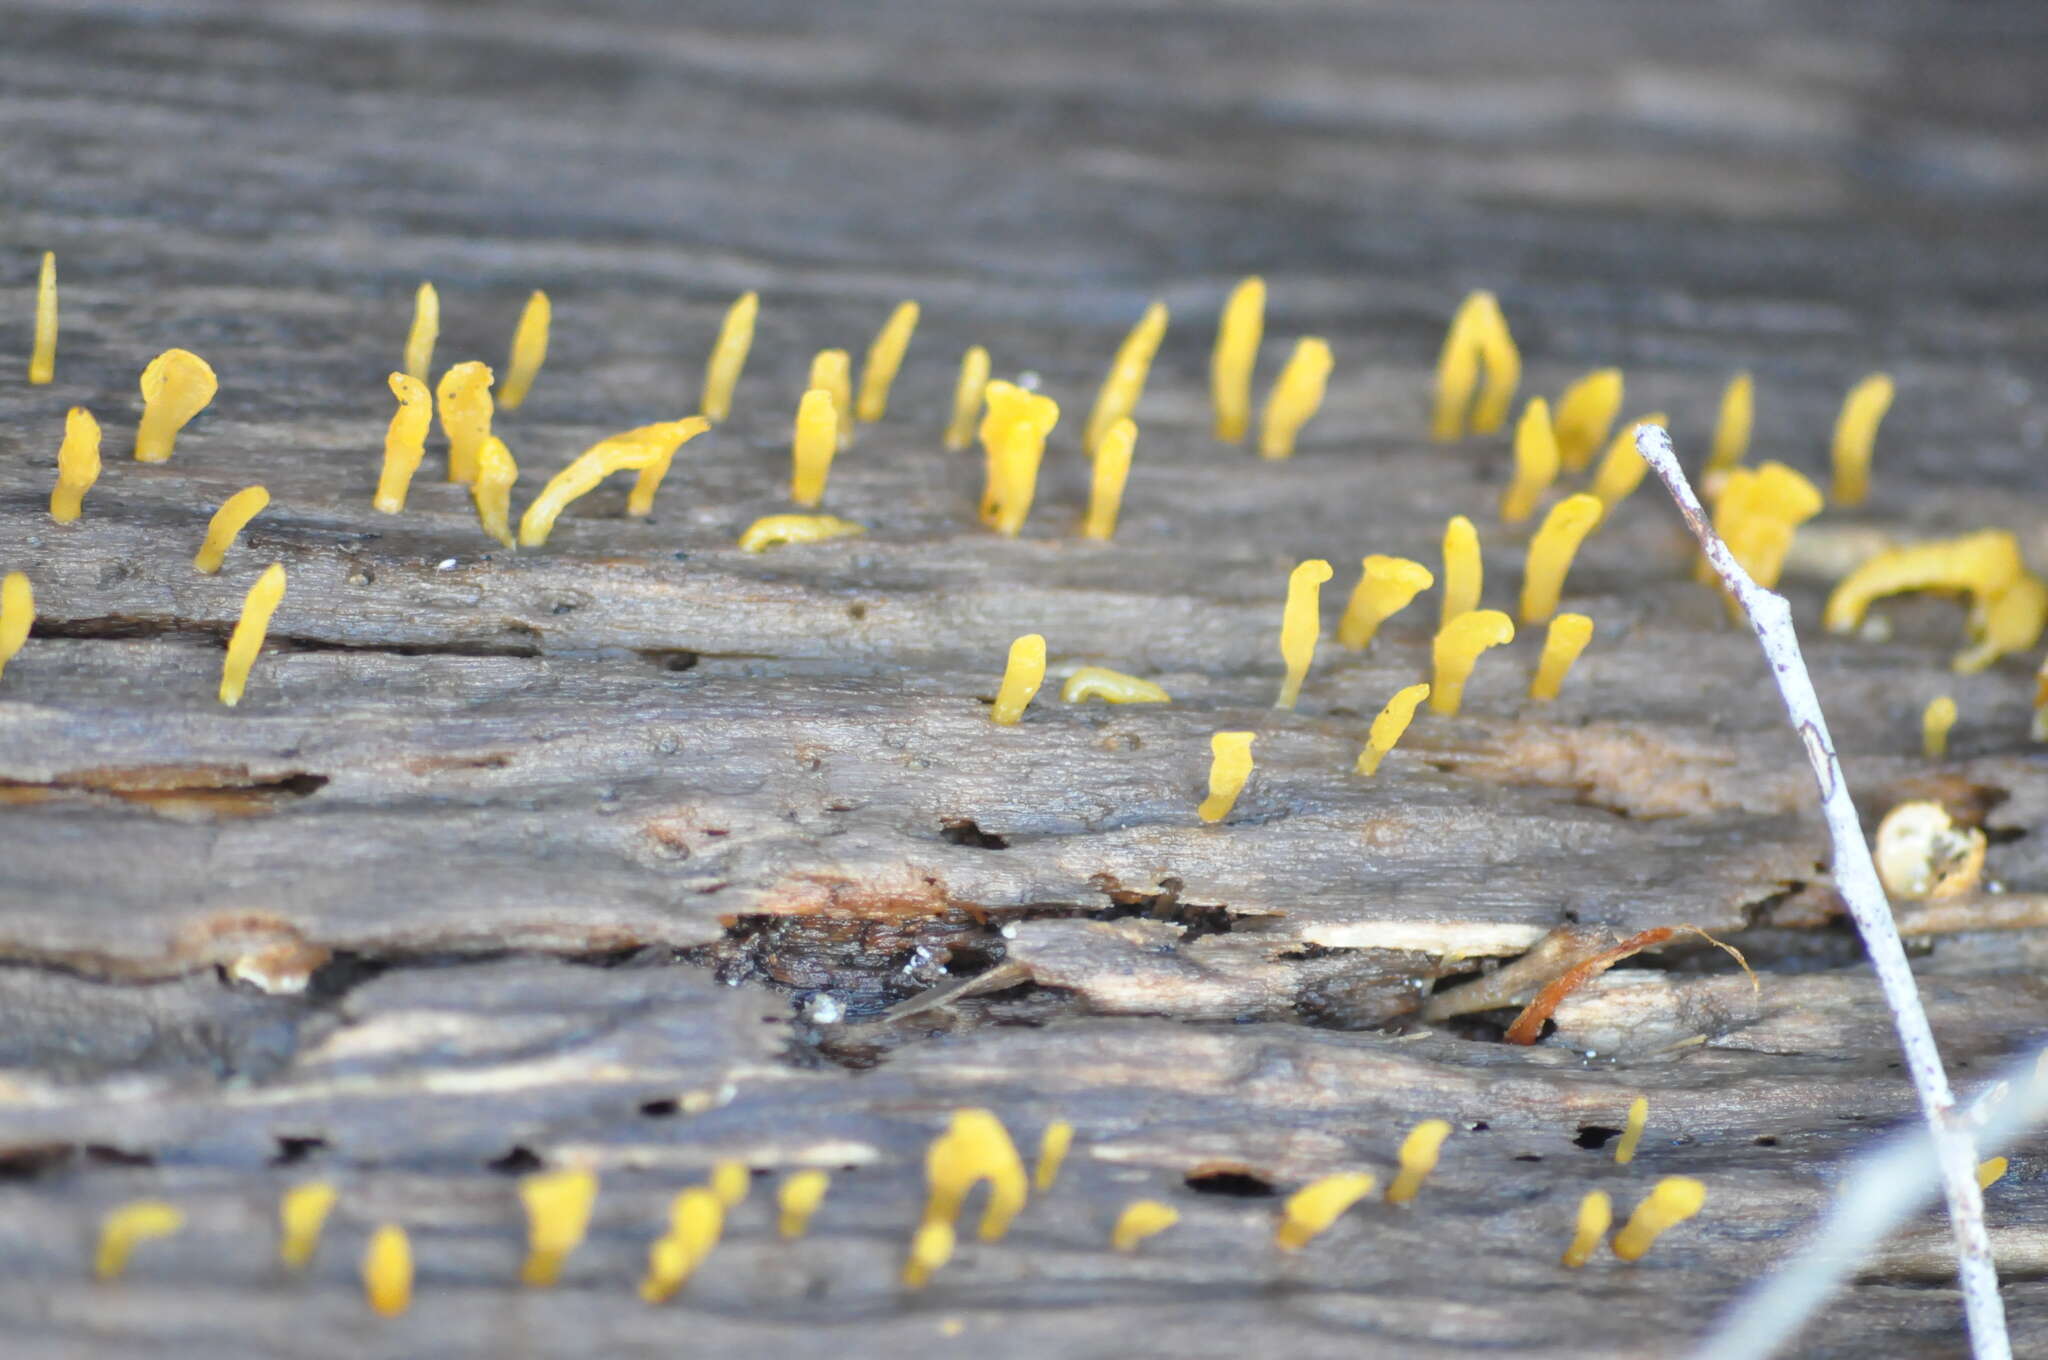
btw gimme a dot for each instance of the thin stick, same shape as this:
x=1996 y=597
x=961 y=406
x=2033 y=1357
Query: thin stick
x=1857 y=882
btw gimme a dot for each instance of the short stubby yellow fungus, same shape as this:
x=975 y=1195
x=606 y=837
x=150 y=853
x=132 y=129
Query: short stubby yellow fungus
x=1935 y=721
x=1389 y=727
x=1463 y=570
x=128 y=1227
x=17 y=612
x=405 y=441
x=797 y=1199
x=1118 y=396
x=2010 y=621
x=1984 y=564
x=1991 y=1171
x=773 y=531
x=1585 y=415
x=301 y=1215
x=1632 y=1136
x=1106 y=482
x=78 y=465
x=975 y=1148
x=387 y=1271
x=967 y=397
x=529 y=350
x=1141 y=1219
x=1596 y=1215
x=1020 y=448
x=665 y=438
x=1670 y=1202
x=812 y=446
x=1002 y=441
x=247 y=639
x=1053 y=1145
x=1418 y=1158
x=1456 y=650
x=1386 y=586
x=1922 y=853
x=1296 y=397
x=730 y=1181
x=42 y=358
x=1023 y=673
x=832 y=371
x=729 y=356
x=425 y=331
x=176 y=386
x=1551 y=553
x=1622 y=469
x=668 y=1269
x=1301 y=623
x=1536 y=460
x=1113 y=687
x=233 y=516
x=492 y=490
x=1230 y=765
x=1731 y=424
x=577 y=480
x=696 y=1220
x=1566 y=637
x=1238 y=333
x=558 y=1205
x=1311 y=1210
x=464 y=398
x=1856 y=434
x=930 y=1248
x=885 y=357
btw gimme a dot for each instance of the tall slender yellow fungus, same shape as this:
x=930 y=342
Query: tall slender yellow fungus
x=696 y=1220
x=176 y=386
x=492 y=490
x=798 y=1197
x=730 y=1181
x=2008 y=607
x=831 y=370
x=301 y=1215
x=78 y=465
x=1991 y=1171
x=426 y=329
x=464 y=396
x=1386 y=586
x=577 y=480
x=729 y=356
x=1622 y=469
x=772 y=531
x=1114 y=687
x=233 y=516
x=665 y=438
x=930 y=1248
x=126 y=1228
x=1855 y=434
x=975 y=1148
x=1463 y=570
x=1566 y=637
x=558 y=1205
x=1052 y=1152
x=1638 y=1119
x=1456 y=650
x=1596 y=1214
x=811 y=447
x=967 y=397
x=1732 y=424
x=1389 y=727
x=1418 y=1158
x=1019 y=448
x=1237 y=351
x=1230 y=765
x=1457 y=369
x=17 y=612
x=1106 y=482
x=885 y=356
x=1118 y=397
x=529 y=350
x=1551 y=553
x=1503 y=368
x=1935 y=722
x=387 y=1271
x=1023 y=673
x=1313 y=1208
x=1535 y=462
x=405 y=441
x=1141 y=1218
x=1670 y=1202
x=1296 y=396
x=247 y=639
x=1301 y=623
x=1585 y=414
x=42 y=359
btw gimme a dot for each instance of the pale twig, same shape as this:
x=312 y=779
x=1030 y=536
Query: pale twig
x=1857 y=882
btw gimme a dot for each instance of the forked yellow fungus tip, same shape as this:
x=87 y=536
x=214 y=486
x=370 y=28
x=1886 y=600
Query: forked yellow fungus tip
x=975 y=1148
x=885 y=357
x=1566 y=637
x=1596 y=1215
x=492 y=490
x=425 y=330
x=1456 y=650
x=176 y=386
x=930 y=1248
x=1478 y=334
x=812 y=446
x=1125 y=382
x=247 y=639
x=1585 y=414
x=968 y=391
x=405 y=441
x=78 y=465
x=623 y=453
x=302 y=1213
x=730 y=1181
x=797 y=1199
x=1856 y=434
x=1141 y=1219
x=387 y=1271
x=1463 y=570
x=1935 y=722
x=1756 y=514
x=42 y=359
x=1672 y=1201
x=1301 y=623
x=696 y=1220
x=464 y=398
x=1312 y=1209
x=1386 y=586
x=1418 y=1158
x=832 y=371
x=1638 y=1119
x=1237 y=351
x=529 y=350
x=1052 y=1153
x=1114 y=687
x=17 y=612
x=729 y=356
x=1732 y=424
x=128 y=1227
x=233 y=516
x=558 y=1205
x=1551 y=552
x=1230 y=765
x=664 y=439
x=1022 y=675
x=773 y=531
x=1389 y=726
x=1990 y=1172
x=1106 y=483
x=1296 y=397
x=1536 y=459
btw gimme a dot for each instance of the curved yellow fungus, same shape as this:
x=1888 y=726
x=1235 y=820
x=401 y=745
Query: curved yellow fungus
x=1312 y=1209
x=1566 y=637
x=975 y=1148
x=1418 y=1158
x=558 y=1205
x=1456 y=650
x=730 y=1181
x=1622 y=469
x=1296 y=397
x=885 y=356
x=464 y=398
x=247 y=639
x=1023 y=673
x=831 y=370
x=529 y=350
x=1935 y=722
x=1855 y=434
x=2009 y=622
x=1019 y=448
x=1301 y=623
x=301 y=1214
x=126 y=1228
x=1585 y=414
x=1230 y=765
x=1389 y=727
x=664 y=438
x=729 y=356
x=811 y=447
x=42 y=359
x=967 y=397
x=1141 y=1219
x=425 y=330
x=1118 y=396
x=930 y=1248
x=577 y=480
x=1386 y=586
x=1991 y=1171
x=387 y=1271
x=1757 y=513
x=78 y=465
x=1463 y=570
x=1535 y=462
x=772 y=531
x=233 y=516
x=1732 y=424
x=176 y=386
x=696 y=1220
x=1985 y=564
x=797 y=1199
x=405 y=441
x=492 y=490
x=1237 y=352
x=1106 y=482
x=1638 y=1119
x=1457 y=369
x=1672 y=1201
x=1596 y=1215
x=1114 y=687
x=17 y=612
x=1551 y=553
x=1052 y=1152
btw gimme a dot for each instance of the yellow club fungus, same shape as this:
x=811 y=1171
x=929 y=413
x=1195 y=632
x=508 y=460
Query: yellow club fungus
x=772 y=531
x=729 y=356
x=1551 y=553
x=176 y=386
x=1672 y=1201
x=1113 y=687
x=17 y=612
x=975 y=1148
x=967 y=397
x=301 y=1215
x=464 y=398
x=812 y=445
x=1757 y=513
x=1622 y=469
x=664 y=438
x=1296 y=396
x=1386 y=586
x=1463 y=570
x=1023 y=673
x=1478 y=334
x=1456 y=650
x=247 y=639
x=78 y=465
x=1019 y=447
x=387 y=1271
x=1312 y=1209
x=1986 y=565
x=1566 y=637
x=930 y=1248
x=797 y=1199
x=529 y=350
x=730 y=1181
x=1230 y=765
x=1389 y=727
x=1141 y=1219
x=1935 y=722
x=492 y=490
x=668 y=1268
x=426 y=329
x=1991 y=1171
x=2011 y=621
x=233 y=516
x=42 y=359
x=405 y=441
x=696 y=1220
x=1732 y=424
x=1585 y=414
x=1503 y=369
x=1301 y=623
x=1418 y=1158
x=1052 y=1153
x=579 y=479
x=832 y=371
x=1106 y=482
x=1237 y=352
x=1118 y=397
x=1535 y=462
x=129 y=1226
x=885 y=356
x=1638 y=1119
x=1596 y=1215
x=1856 y=434
x=558 y=1205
